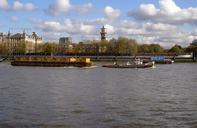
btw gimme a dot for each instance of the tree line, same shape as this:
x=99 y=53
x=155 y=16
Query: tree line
x=120 y=46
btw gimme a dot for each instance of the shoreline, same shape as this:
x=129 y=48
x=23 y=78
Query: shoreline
x=119 y=58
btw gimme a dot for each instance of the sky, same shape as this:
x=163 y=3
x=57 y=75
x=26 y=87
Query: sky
x=164 y=22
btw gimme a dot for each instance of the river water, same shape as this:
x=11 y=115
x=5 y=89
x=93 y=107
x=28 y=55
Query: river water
x=40 y=97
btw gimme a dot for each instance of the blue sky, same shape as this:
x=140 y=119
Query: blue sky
x=165 y=22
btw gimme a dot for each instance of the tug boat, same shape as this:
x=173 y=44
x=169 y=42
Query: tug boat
x=137 y=63
x=2 y=59
x=51 y=61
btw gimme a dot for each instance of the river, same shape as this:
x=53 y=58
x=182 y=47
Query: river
x=41 y=97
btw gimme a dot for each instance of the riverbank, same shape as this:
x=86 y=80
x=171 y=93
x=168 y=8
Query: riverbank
x=122 y=58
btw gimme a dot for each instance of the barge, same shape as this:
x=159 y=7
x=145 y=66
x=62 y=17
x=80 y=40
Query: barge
x=51 y=61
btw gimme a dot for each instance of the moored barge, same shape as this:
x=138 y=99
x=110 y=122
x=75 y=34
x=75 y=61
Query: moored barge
x=51 y=61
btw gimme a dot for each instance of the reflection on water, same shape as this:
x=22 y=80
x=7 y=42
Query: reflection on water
x=98 y=97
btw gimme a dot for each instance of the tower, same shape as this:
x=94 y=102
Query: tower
x=36 y=38
x=103 y=33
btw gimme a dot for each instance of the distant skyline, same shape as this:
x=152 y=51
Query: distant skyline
x=165 y=22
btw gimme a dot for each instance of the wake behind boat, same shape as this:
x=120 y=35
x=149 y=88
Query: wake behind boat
x=137 y=63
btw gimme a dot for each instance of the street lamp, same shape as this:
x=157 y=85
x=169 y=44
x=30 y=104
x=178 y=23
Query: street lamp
x=36 y=37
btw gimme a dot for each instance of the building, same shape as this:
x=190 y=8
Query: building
x=65 y=40
x=66 y=45
x=194 y=42
x=12 y=41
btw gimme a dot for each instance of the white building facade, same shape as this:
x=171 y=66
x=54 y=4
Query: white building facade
x=12 y=41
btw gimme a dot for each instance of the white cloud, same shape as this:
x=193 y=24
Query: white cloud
x=169 y=7
x=17 y=6
x=60 y=6
x=68 y=26
x=81 y=9
x=97 y=21
x=164 y=34
x=159 y=33
x=160 y=27
x=52 y=36
x=109 y=29
x=148 y=9
x=111 y=13
x=168 y=12
x=64 y=6
x=13 y=18
x=51 y=26
x=68 y=23
x=4 y=4
x=29 y=7
x=86 y=29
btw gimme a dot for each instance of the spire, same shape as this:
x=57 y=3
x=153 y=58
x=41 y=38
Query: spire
x=9 y=34
x=24 y=34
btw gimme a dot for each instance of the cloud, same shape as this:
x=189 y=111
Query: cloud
x=17 y=6
x=168 y=12
x=169 y=7
x=52 y=36
x=60 y=6
x=64 y=6
x=52 y=26
x=86 y=29
x=111 y=13
x=159 y=27
x=109 y=29
x=159 y=33
x=13 y=18
x=68 y=26
x=81 y=9
x=97 y=21
x=4 y=5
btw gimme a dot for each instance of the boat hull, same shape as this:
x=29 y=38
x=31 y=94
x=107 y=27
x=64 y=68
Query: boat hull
x=129 y=66
x=164 y=62
x=2 y=59
x=52 y=64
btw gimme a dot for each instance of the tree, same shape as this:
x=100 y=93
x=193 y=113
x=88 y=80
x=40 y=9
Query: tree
x=49 y=48
x=3 y=49
x=191 y=48
x=103 y=46
x=79 y=48
x=176 y=49
x=156 y=48
x=144 y=48
x=113 y=46
x=123 y=45
x=151 y=48
x=133 y=47
x=20 y=48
